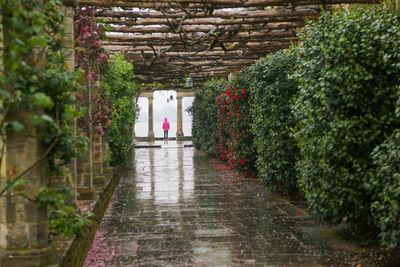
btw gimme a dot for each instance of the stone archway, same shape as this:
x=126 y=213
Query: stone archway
x=180 y=95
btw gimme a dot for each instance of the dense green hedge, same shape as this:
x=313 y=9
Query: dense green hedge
x=386 y=205
x=327 y=107
x=121 y=89
x=204 y=112
x=348 y=77
x=272 y=91
x=386 y=201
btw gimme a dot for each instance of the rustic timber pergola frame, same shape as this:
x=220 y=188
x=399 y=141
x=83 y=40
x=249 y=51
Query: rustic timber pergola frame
x=171 y=40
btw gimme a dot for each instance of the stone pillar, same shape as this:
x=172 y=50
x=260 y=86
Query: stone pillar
x=68 y=177
x=179 y=126
x=23 y=223
x=68 y=10
x=85 y=186
x=106 y=153
x=151 y=122
x=2 y=145
x=97 y=141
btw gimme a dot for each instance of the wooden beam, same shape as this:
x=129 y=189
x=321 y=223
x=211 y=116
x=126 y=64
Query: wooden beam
x=273 y=35
x=215 y=3
x=208 y=21
x=207 y=28
x=234 y=14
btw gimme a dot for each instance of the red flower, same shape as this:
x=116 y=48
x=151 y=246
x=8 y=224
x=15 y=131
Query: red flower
x=244 y=92
x=242 y=161
x=236 y=97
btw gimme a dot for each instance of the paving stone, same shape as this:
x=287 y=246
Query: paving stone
x=173 y=209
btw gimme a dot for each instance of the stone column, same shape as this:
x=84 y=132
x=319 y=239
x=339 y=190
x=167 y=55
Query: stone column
x=85 y=186
x=23 y=223
x=2 y=145
x=69 y=57
x=68 y=177
x=179 y=126
x=151 y=122
x=106 y=153
x=97 y=141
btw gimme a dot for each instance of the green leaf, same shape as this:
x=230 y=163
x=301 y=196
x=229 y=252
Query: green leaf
x=16 y=126
x=42 y=100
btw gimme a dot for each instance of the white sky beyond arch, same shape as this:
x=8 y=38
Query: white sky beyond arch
x=161 y=109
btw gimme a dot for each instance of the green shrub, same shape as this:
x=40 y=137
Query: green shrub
x=121 y=90
x=272 y=91
x=204 y=112
x=386 y=205
x=348 y=84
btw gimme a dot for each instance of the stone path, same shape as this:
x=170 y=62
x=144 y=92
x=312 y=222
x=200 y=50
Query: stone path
x=173 y=208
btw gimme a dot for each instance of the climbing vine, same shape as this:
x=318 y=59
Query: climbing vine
x=92 y=59
x=35 y=87
x=120 y=88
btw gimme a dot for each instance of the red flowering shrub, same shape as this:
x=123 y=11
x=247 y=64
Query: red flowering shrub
x=222 y=122
x=235 y=141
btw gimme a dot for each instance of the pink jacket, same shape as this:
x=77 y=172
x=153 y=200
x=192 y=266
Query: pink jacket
x=165 y=125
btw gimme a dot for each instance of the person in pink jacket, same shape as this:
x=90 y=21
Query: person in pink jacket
x=165 y=127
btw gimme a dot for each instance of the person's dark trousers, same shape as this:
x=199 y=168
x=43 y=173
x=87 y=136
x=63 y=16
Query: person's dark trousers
x=165 y=134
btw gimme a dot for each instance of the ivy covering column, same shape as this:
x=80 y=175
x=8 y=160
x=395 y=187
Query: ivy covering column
x=23 y=222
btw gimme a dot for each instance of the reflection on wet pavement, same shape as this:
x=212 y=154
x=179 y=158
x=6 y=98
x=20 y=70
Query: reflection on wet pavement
x=173 y=209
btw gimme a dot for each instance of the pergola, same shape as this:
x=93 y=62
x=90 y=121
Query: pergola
x=171 y=40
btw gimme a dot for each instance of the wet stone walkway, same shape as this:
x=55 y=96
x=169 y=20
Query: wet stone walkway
x=175 y=208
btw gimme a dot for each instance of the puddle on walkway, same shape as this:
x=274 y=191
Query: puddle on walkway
x=173 y=209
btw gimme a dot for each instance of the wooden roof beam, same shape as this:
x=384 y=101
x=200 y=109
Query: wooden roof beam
x=243 y=14
x=215 y=3
x=208 y=28
x=210 y=20
x=273 y=35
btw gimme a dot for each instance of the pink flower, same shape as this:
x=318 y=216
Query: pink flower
x=90 y=75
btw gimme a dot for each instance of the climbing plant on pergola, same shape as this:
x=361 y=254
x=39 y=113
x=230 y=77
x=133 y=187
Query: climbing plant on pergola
x=170 y=40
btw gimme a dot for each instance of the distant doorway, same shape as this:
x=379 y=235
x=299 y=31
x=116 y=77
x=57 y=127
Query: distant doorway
x=165 y=105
